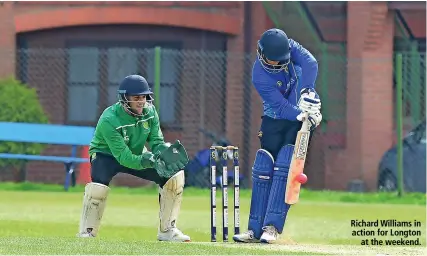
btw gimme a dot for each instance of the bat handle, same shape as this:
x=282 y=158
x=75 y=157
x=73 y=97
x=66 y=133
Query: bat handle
x=305 y=122
x=306 y=115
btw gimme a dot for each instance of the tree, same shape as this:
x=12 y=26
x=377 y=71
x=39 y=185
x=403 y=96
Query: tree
x=19 y=103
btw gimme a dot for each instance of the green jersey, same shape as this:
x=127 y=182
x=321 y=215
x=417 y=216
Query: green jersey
x=124 y=136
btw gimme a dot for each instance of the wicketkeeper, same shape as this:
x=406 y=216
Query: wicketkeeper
x=284 y=75
x=118 y=147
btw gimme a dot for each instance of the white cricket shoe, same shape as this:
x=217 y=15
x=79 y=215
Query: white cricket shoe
x=85 y=234
x=270 y=235
x=173 y=235
x=246 y=237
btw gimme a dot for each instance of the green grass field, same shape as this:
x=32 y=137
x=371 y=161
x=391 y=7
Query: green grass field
x=39 y=219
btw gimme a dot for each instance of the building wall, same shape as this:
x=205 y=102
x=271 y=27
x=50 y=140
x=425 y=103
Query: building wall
x=370 y=31
x=234 y=26
x=212 y=26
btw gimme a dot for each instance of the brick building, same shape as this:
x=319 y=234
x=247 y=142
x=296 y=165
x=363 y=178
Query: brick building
x=366 y=30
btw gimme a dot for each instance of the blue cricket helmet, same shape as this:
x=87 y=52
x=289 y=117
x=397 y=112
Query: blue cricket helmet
x=274 y=46
x=133 y=85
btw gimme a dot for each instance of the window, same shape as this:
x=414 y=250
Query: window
x=83 y=84
x=95 y=73
x=169 y=80
x=121 y=63
x=414 y=77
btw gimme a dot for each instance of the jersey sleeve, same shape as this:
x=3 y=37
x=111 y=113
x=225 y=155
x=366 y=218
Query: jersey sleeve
x=156 y=140
x=119 y=149
x=298 y=73
x=303 y=58
x=273 y=97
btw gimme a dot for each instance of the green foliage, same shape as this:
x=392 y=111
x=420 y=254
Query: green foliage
x=20 y=103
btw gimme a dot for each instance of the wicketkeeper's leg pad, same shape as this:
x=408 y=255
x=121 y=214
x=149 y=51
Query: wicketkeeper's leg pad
x=94 y=201
x=170 y=201
x=277 y=209
x=262 y=171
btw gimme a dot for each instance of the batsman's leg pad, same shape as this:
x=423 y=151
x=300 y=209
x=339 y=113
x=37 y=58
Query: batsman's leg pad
x=262 y=171
x=277 y=209
x=94 y=201
x=170 y=201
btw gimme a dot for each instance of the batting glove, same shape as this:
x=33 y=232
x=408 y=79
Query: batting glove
x=308 y=101
x=313 y=119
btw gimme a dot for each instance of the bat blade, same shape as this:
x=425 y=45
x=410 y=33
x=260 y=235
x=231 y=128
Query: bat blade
x=293 y=187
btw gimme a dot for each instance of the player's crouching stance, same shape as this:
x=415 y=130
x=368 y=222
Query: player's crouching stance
x=118 y=146
x=284 y=75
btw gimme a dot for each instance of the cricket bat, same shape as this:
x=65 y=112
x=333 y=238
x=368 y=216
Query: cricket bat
x=293 y=185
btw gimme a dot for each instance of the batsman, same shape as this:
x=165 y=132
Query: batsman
x=284 y=76
x=118 y=146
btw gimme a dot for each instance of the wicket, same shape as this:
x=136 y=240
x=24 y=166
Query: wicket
x=215 y=152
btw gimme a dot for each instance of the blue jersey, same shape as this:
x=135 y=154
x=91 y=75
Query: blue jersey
x=280 y=91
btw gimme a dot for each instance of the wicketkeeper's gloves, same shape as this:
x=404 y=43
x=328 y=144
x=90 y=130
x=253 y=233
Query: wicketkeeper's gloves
x=171 y=160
